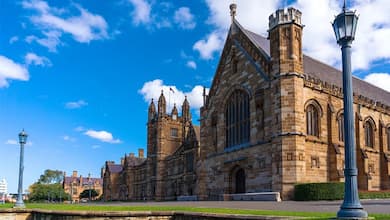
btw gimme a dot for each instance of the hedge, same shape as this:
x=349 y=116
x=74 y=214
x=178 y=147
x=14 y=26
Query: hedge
x=319 y=191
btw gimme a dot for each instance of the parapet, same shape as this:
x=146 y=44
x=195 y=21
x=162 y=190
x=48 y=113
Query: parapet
x=284 y=16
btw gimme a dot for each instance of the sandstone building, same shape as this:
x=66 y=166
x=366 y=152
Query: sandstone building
x=273 y=118
x=169 y=169
x=74 y=185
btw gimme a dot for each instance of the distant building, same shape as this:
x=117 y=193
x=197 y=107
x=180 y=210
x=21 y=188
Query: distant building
x=3 y=187
x=3 y=190
x=74 y=185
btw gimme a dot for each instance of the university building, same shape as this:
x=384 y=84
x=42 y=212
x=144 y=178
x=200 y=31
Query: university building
x=74 y=185
x=273 y=117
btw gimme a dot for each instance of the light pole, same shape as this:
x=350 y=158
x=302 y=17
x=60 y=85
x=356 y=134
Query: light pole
x=344 y=27
x=89 y=183
x=22 y=140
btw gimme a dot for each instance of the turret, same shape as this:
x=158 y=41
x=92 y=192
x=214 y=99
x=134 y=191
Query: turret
x=151 y=111
x=285 y=34
x=186 y=110
x=174 y=112
x=162 y=105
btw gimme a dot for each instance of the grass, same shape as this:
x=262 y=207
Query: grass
x=74 y=207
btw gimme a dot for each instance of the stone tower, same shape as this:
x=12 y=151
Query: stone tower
x=165 y=136
x=285 y=35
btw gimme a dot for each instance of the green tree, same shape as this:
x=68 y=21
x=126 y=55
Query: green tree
x=52 y=192
x=48 y=187
x=85 y=193
x=51 y=176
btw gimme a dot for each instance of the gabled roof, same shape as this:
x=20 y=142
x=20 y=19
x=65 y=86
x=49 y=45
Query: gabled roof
x=317 y=69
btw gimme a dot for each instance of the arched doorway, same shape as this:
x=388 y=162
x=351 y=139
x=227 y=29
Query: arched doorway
x=240 y=181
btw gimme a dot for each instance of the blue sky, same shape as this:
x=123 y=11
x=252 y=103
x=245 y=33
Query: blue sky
x=78 y=75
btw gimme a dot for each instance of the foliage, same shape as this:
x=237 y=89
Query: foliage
x=52 y=192
x=51 y=176
x=374 y=194
x=319 y=191
x=85 y=193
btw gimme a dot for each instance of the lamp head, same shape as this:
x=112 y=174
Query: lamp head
x=344 y=26
x=23 y=137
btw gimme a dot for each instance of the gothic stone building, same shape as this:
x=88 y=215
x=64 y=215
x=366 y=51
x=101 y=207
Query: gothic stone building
x=273 y=118
x=169 y=169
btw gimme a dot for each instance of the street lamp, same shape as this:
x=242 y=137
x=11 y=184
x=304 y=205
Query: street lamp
x=22 y=140
x=344 y=27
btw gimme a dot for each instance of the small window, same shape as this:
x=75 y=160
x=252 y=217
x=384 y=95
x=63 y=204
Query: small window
x=189 y=162
x=340 y=122
x=369 y=134
x=174 y=132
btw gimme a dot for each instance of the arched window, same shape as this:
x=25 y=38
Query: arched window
x=312 y=120
x=369 y=133
x=388 y=138
x=237 y=119
x=340 y=122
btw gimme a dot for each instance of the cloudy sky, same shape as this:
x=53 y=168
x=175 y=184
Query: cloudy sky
x=78 y=75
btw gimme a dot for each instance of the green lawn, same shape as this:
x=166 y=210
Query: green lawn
x=74 y=207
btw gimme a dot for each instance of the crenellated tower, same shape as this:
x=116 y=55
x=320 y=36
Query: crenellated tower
x=285 y=35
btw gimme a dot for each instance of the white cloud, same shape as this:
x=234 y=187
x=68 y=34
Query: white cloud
x=32 y=58
x=12 y=142
x=77 y=104
x=141 y=13
x=51 y=40
x=9 y=70
x=13 y=39
x=152 y=90
x=95 y=146
x=68 y=138
x=191 y=64
x=80 y=128
x=381 y=80
x=207 y=47
x=184 y=18
x=103 y=136
x=83 y=28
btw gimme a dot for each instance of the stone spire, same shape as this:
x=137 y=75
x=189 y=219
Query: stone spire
x=233 y=11
x=151 y=111
x=162 y=105
x=174 y=112
x=186 y=110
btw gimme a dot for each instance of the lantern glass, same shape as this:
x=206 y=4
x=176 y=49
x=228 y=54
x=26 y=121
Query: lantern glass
x=22 y=137
x=344 y=26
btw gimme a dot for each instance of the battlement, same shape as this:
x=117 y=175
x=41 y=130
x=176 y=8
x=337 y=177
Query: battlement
x=284 y=16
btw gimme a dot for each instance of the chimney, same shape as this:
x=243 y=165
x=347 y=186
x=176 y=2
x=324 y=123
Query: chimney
x=74 y=174
x=131 y=155
x=141 y=153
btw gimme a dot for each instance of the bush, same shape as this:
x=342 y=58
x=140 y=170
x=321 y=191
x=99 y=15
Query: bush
x=319 y=191
x=374 y=194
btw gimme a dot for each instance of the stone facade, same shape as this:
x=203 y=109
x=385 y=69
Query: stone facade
x=273 y=117
x=74 y=185
x=169 y=169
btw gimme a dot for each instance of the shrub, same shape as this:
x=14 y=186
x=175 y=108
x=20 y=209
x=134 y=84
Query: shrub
x=374 y=194
x=319 y=191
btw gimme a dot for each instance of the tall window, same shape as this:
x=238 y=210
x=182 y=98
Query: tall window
x=174 y=132
x=340 y=122
x=369 y=134
x=237 y=119
x=312 y=120
x=388 y=138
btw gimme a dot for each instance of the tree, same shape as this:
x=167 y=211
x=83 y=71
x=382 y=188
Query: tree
x=51 y=176
x=48 y=187
x=85 y=193
x=52 y=192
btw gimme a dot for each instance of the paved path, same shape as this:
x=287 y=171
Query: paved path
x=371 y=206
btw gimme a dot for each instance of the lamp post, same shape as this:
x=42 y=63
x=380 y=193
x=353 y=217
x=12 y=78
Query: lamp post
x=344 y=27
x=22 y=140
